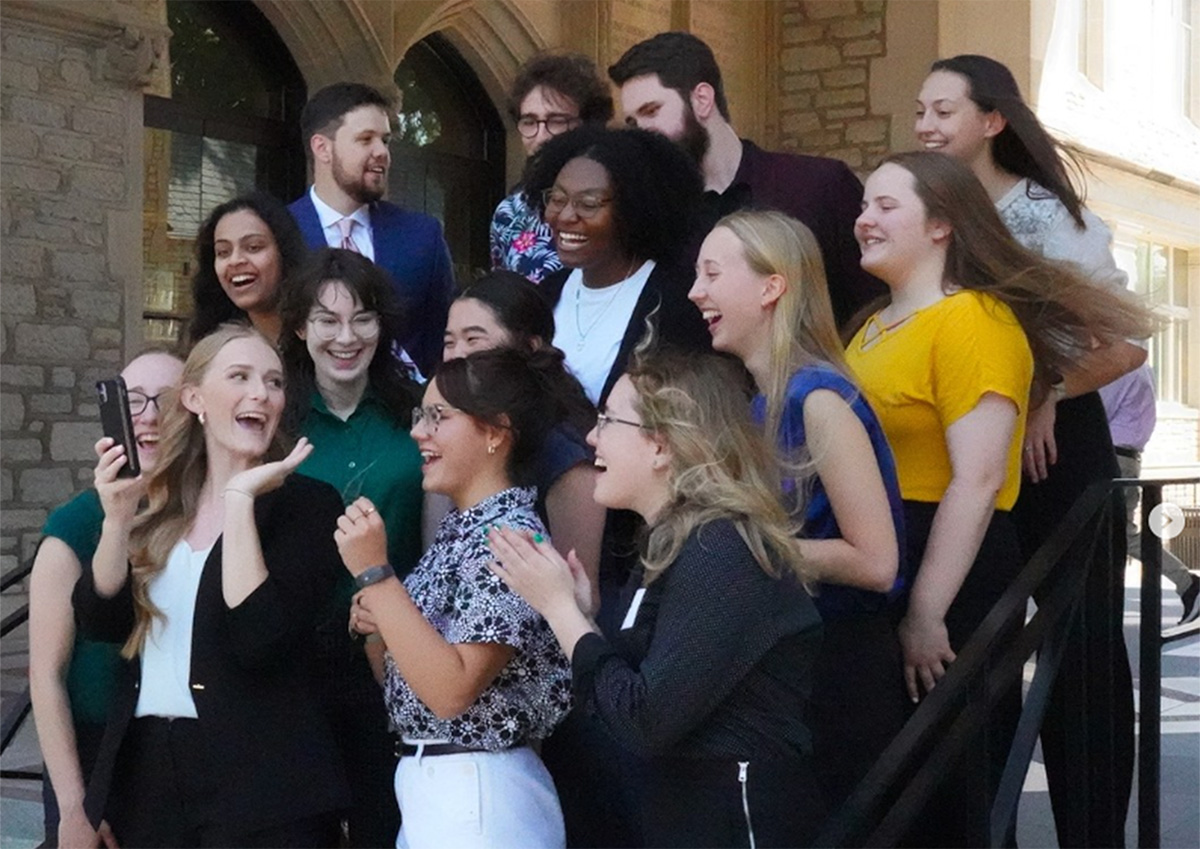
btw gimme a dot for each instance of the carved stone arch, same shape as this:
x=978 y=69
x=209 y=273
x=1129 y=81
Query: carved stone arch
x=335 y=42
x=494 y=37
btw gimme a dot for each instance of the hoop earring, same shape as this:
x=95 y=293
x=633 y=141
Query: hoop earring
x=200 y=416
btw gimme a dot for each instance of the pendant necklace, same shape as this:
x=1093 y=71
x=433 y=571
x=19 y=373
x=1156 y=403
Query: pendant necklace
x=583 y=334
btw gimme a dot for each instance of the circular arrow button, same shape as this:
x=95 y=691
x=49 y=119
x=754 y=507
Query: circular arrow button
x=1166 y=520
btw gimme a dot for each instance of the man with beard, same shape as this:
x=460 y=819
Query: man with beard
x=346 y=129
x=671 y=84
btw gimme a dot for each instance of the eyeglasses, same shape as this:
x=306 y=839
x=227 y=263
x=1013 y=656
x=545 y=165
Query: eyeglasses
x=603 y=419
x=585 y=205
x=365 y=326
x=432 y=416
x=139 y=401
x=528 y=126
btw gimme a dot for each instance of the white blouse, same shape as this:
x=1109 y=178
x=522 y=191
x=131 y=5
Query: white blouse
x=167 y=654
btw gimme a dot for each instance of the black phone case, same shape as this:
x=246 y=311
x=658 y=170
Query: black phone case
x=118 y=423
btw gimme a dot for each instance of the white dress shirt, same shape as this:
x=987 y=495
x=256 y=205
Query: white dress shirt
x=361 y=234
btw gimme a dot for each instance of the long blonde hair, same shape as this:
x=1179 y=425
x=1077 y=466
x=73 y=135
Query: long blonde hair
x=173 y=492
x=803 y=330
x=721 y=467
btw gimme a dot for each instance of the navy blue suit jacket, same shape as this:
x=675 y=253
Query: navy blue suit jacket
x=410 y=247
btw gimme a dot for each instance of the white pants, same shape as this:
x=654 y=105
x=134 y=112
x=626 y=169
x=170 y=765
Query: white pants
x=488 y=800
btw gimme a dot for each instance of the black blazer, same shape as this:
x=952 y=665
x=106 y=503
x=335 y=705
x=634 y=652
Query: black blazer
x=249 y=670
x=677 y=321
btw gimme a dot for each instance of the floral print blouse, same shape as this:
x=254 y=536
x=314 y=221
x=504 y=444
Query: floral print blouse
x=520 y=241
x=466 y=603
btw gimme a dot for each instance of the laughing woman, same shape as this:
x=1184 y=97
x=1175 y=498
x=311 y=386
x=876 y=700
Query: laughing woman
x=761 y=283
x=473 y=673
x=973 y=321
x=245 y=251
x=214 y=738
x=708 y=675
x=353 y=400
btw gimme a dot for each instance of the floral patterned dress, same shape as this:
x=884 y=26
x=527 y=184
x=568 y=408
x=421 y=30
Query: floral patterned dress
x=454 y=589
x=520 y=241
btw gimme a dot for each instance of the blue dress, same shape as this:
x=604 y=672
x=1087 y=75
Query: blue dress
x=858 y=703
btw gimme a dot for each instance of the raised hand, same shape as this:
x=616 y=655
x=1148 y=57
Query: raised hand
x=534 y=570
x=361 y=537
x=268 y=476
x=119 y=497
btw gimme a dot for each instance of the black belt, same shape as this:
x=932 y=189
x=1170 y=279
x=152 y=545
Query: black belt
x=434 y=749
x=1126 y=451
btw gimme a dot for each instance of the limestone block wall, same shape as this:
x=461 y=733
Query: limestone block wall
x=70 y=116
x=822 y=85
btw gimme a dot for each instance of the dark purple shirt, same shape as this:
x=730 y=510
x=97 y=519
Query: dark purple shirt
x=821 y=192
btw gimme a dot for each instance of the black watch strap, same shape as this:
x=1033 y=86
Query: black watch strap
x=373 y=576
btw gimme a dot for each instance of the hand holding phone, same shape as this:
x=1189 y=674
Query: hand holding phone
x=118 y=423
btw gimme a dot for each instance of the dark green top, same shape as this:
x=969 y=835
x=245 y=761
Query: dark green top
x=91 y=678
x=370 y=454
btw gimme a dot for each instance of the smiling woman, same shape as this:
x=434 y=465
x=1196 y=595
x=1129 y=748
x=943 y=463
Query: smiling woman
x=473 y=674
x=620 y=206
x=245 y=250
x=213 y=587
x=353 y=399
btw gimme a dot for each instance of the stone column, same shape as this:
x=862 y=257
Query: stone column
x=70 y=179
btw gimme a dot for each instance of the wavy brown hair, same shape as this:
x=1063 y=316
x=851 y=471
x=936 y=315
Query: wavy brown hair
x=1063 y=314
x=721 y=466
x=173 y=492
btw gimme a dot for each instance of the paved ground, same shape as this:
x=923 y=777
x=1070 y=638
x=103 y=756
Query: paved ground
x=21 y=810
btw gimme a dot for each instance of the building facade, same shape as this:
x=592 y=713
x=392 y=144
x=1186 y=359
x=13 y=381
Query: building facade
x=124 y=121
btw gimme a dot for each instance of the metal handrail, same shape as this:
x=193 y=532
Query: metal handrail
x=885 y=804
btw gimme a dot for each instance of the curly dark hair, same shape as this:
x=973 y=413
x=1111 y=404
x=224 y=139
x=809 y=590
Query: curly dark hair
x=1024 y=147
x=681 y=62
x=657 y=189
x=522 y=391
x=523 y=311
x=211 y=306
x=388 y=377
x=572 y=75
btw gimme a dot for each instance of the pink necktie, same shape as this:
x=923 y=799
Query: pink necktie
x=345 y=226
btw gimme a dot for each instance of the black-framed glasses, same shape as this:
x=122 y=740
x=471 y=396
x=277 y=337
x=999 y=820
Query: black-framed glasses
x=326 y=327
x=585 y=205
x=432 y=415
x=139 y=401
x=527 y=125
x=603 y=419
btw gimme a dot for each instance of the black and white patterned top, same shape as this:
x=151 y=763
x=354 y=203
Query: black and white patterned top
x=466 y=603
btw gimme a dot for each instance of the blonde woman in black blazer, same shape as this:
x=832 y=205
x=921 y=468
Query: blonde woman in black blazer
x=215 y=738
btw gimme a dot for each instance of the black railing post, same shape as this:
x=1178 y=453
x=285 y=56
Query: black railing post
x=1150 y=675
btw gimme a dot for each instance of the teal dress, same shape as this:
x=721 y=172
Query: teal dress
x=371 y=454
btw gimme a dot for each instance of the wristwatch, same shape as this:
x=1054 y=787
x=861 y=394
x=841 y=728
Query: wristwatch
x=373 y=575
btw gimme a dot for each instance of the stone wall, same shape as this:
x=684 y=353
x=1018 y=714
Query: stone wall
x=70 y=116
x=822 y=85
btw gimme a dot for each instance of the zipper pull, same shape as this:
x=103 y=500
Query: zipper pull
x=743 y=766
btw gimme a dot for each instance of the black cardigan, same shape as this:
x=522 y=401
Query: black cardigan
x=678 y=321
x=249 y=669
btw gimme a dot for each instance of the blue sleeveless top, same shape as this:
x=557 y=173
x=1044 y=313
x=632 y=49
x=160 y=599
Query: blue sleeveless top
x=836 y=600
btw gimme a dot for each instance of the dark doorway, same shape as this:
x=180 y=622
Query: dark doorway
x=448 y=149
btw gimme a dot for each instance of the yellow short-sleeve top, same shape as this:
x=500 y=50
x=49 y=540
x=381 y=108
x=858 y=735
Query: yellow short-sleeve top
x=922 y=375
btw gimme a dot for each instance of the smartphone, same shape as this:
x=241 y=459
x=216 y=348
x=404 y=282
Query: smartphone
x=118 y=423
